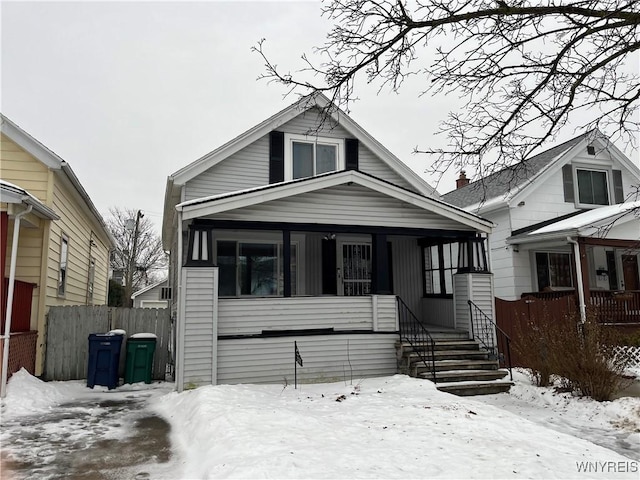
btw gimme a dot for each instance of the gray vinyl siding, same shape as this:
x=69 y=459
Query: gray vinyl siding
x=249 y=167
x=407 y=275
x=478 y=288
x=154 y=295
x=344 y=205
x=250 y=316
x=199 y=326
x=326 y=358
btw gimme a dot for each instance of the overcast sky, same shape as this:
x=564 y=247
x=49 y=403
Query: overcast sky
x=128 y=93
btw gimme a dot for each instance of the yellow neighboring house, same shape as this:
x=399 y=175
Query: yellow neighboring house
x=62 y=256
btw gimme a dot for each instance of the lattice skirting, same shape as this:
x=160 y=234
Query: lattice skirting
x=629 y=352
x=22 y=352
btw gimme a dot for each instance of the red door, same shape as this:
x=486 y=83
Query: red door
x=630 y=272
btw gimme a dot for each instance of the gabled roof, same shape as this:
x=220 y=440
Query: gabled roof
x=253 y=196
x=586 y=223
x=147 y=288
x=55 y=163
x=509 y=179
x=308 y=102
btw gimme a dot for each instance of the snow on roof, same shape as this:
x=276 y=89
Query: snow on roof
x=591 y=218
x=11 y=193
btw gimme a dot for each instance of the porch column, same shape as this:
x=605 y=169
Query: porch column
x=286 y=252
x=380 y=274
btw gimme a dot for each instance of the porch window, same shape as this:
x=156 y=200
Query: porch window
x=306 y=156
x=440 y=263
x=253 y=268
x=592 y=187
x=554 y=270
x=62 y=272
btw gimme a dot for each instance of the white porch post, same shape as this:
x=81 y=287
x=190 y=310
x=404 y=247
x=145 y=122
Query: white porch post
x=580 y=286
x=7 y=317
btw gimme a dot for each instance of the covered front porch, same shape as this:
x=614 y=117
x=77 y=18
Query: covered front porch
x=593 y=257
x=332 y=263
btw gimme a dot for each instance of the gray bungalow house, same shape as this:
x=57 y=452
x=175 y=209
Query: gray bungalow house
x=305 y=229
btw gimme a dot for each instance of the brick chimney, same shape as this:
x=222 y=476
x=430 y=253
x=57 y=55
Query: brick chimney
x=462 y=181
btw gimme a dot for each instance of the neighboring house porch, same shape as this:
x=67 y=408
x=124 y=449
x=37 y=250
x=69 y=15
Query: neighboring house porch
x=592 y=255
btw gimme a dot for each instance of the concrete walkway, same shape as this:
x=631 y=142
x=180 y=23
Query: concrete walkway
x=116 y=438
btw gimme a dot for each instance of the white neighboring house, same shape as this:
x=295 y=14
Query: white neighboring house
x=306 y=229
x=566 y=220
x=156 y=295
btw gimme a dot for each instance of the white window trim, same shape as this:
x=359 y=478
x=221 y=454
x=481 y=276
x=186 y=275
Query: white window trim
x=289 y=138
x=593 y=168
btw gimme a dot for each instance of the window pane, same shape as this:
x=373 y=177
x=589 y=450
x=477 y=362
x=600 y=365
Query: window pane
x=302 y=160
x=195 y=253
x=62 y=274
x=227 y=269
x=435 y=282
x=325 y=158
x=205 y=245
x=560 y=270
x=258 y=269
x=600 y=192
x=592 y=187
x=542 y=270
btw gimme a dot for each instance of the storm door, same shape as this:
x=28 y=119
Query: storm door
x=354 y=269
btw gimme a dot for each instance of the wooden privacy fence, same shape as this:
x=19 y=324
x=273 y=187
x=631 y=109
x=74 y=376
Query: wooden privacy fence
x=521 y=316
x=68 y=330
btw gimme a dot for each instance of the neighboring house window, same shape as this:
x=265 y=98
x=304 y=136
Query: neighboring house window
x=440 y=263
x=62 y=272
x=91 y=278
x=199 y=252
x=306 y=156
x=253 y=268
x=165 y=293
x=592 y=187
x=554 y=270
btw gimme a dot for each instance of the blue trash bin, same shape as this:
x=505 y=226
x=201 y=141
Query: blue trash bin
x=104 y=357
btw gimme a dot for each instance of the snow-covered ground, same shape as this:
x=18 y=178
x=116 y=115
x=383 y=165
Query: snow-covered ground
x=391 y=427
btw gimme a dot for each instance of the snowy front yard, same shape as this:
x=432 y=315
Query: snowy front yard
x=391 y=427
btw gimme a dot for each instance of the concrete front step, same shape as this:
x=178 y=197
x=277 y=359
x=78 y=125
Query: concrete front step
x=464 y=389
x=441 y=345
x=448 y=355
x=447 y=376
x=444 y=365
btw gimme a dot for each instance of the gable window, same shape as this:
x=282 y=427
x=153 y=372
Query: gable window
x=592 y=187
x=62 y=271
x=440 y=263
x=306 y=156
x=554 y=270
x=253 y=268
x=199 y=252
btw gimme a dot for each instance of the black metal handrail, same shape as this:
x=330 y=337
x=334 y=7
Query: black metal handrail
x=485 y=331
x=413 y=331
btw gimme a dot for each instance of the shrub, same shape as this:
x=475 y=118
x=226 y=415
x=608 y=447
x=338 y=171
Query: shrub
x=582 y=354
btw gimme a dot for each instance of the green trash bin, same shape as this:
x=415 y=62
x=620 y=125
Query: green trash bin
x=139 y=363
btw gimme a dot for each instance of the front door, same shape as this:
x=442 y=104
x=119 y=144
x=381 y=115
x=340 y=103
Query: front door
x=354 y=268
x=630 y=272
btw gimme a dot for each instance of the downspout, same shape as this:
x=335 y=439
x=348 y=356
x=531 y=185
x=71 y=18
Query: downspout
x=7 y=317
x=179 y=368
x=581 y=300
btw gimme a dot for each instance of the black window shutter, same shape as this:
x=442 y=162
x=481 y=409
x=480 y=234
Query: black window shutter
x=351 y=153
x=618 y=190
x=329 y=280
x=567 y=181
x=276 y=157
